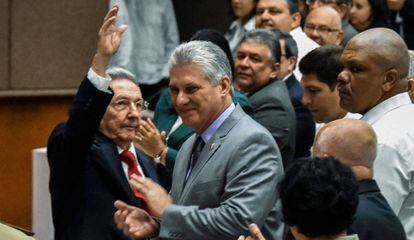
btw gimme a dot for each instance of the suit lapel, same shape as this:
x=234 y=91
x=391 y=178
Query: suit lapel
x=108 y=161
x=210 y=149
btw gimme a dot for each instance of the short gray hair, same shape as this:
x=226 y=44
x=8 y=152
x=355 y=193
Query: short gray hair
x=265 y=37
x=207 y=55
x=121 y=73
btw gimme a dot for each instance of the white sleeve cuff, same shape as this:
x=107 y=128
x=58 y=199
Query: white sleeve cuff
x=101 y=83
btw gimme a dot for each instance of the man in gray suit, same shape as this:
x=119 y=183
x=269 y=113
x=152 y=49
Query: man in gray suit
x=257 y=66
x=226 y=174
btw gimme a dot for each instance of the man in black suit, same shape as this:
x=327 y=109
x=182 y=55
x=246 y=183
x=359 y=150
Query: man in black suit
x=257 y=66
x=374 y=218
x=86 y=172
x=305 y=126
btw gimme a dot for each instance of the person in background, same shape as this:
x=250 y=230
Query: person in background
x=257 y=67
x=373 y=83
x=354 y=143
x=164 y=136
x=342 y=6
x=305 y=126
x=284 y=15
x=320 y=69
x=147 y=44
x=323 y=25
x=245 y=11
x=319 y=199
x=366 y=14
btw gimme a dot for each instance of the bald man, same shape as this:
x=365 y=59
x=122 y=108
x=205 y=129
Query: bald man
x=374 y=84
x=323 y=25
x=374 y=218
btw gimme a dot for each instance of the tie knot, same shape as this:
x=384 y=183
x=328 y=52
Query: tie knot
x=128 y=157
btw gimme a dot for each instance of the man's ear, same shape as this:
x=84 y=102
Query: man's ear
x=225 y=85
x=391 y=78
x=296 y=18
x=340 y=36
x=275 y=70
x=292 y=63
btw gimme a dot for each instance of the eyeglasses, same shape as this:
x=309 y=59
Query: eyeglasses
x=123 y=104
x=321 y=2
x=320 y=30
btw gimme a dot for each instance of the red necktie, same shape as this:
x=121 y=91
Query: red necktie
x=129 y=158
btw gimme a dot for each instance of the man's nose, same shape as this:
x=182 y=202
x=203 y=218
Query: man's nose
x=306 y=99
x=182 y=99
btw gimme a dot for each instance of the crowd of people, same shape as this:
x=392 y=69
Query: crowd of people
x=295 y=124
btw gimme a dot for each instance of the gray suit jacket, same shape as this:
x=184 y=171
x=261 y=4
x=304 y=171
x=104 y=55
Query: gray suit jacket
x=233 y=184
x=274 y=111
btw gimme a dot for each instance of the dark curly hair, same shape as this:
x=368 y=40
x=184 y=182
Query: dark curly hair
x=319 y=196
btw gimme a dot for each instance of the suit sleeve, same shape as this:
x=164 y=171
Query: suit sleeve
x=70 y=142
x=250 y=193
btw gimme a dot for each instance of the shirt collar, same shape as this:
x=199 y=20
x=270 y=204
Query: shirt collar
x=384 y=107
x=212 y=129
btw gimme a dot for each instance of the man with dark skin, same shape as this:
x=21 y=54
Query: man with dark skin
x=374 y=84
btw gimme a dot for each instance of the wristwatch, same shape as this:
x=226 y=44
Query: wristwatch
x=157 y=157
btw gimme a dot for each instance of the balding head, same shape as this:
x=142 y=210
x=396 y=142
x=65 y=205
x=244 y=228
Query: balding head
x=376 y=64
x=324 y=26
x=388 y=47
x=351 y=141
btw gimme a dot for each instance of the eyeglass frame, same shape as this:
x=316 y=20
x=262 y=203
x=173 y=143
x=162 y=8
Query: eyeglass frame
x=324 y=2
x=140 y=105
x=320 y=30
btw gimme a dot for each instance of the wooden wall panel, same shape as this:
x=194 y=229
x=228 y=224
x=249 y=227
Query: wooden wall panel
x=53 y=42
x=25 y=124
x=4 y=43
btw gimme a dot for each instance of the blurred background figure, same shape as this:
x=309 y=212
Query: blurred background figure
x=168 y=132
x=245 y=11
x=147 y=44
x=366 y=14
x=323 y=25
x=305 y=126
x=342 y=6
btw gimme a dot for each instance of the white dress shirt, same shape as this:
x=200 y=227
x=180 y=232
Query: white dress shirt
x=305 y=45
x=393 y=122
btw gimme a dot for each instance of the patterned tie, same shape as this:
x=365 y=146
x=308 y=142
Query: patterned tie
x=129 y=158
x=197 y=148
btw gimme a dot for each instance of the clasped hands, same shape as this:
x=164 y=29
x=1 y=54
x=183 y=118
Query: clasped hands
x=149 y=140
x=136 y=222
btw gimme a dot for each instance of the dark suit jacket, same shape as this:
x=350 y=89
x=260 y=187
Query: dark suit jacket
x=165 y=117
x=305 y=126
x=232 y=184
x=86 y=176
x=273 y=110
x=374 y=218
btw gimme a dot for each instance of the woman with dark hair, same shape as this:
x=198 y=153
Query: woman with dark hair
x=163 y=137
x=245 y=11
x=366 y=14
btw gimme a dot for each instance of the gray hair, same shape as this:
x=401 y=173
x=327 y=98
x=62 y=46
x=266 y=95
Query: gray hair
x=268 y=38
x=207 y=55
x=120 y=73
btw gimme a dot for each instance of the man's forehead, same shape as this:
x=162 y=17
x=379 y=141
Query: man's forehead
x=272 y=4
x=253 y=47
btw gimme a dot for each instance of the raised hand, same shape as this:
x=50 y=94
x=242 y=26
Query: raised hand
x=134 y=222
x=156 y=198
x=108 y=42
x=149 y=140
